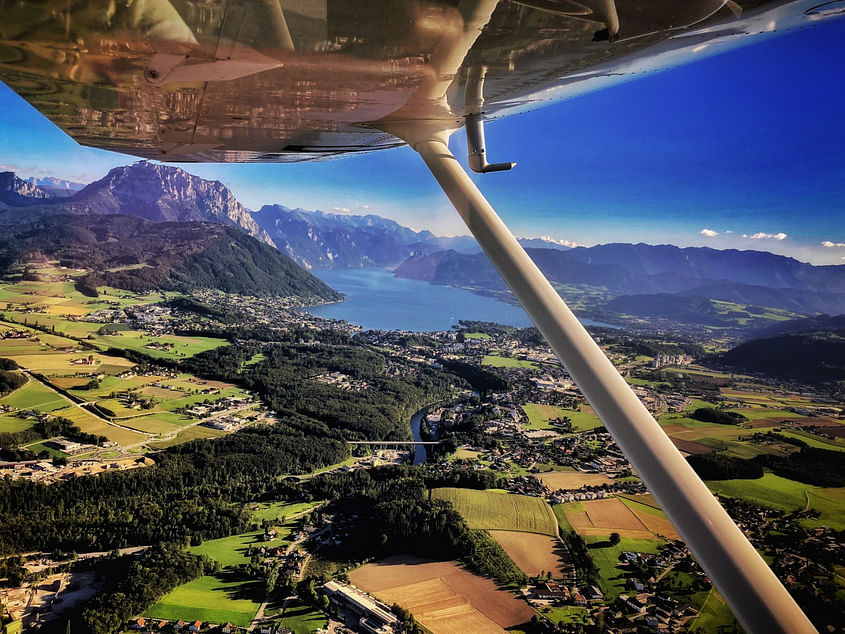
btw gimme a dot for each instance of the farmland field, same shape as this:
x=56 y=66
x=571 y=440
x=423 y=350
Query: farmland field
x=10 y=424
x=182 y=347
x=500 y=511
x=540 y=415
x=572 y=479
x=302 y=618
x=602 y=517
x=275 y=511
x=34 y=395
x=531 y=552
x=231 y=551
x=90 y=424
x=191 y=433
x=606 y=558
x=584 y=419
x=788 y=495
x=498 y=361
x=442 y=597
x=211 y=599
x=654 y=518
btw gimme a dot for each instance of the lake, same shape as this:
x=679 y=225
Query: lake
x=377 y=300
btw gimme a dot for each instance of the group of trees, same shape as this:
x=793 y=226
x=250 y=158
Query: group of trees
x=193 y=492
x=718 y=415
x=819 y=467
x=394 y=515
x=138 y=584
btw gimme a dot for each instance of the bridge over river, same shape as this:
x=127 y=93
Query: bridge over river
x=392 y=443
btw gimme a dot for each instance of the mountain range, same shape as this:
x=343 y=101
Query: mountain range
x=658 y=280
x=638 y=279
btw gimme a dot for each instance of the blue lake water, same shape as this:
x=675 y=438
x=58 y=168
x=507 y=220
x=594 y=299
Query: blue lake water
x=375 y=299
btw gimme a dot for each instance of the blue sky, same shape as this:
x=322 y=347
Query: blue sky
x=747 y=147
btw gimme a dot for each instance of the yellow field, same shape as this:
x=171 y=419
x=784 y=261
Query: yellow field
x=491 y=510
x=61 y=362
x=532 y=553
x=90 y=424
x=150 y=425
x=602 y=517
x=572 y=479
x=442 y=597
x=647 y=511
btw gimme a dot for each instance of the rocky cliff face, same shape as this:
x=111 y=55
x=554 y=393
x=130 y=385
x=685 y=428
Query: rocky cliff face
x=162 y=193
x=16 y=192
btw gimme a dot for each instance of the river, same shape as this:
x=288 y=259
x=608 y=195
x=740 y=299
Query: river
x=420 y=456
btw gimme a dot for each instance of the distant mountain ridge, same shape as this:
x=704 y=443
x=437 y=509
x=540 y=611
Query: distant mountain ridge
x=163 y=193
x=16 y=192
x=661 y=280
x=652 y=272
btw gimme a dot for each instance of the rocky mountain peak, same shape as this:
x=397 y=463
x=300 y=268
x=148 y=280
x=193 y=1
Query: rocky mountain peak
x=163 y=193
x=17 y=192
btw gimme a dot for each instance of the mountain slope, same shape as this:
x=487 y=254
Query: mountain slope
x=808 y=356
x=316 y=239
x=161 y=193
x=140 y=255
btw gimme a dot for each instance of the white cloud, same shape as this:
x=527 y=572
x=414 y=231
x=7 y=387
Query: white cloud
x=728 y=231
x=363 y=206
x=765 y=236
x=833 y=245
x=342 y=210
x=709 y=233
x=564 y=243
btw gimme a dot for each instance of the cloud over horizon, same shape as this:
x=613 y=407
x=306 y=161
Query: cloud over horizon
x=832 y=245
x=760 y=235
x=709 y=233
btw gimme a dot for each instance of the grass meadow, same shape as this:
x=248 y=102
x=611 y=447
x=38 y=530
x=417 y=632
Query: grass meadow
x=491 y=510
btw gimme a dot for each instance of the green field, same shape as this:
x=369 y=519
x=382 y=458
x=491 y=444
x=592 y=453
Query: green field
x=191 y=433
x=476 y=335
x=302 y=618
x=540 y=415
x=713 y=615
x=506 y=362
x=584 y=419
x=211 y=599
x=34 y=395
x=90 y=424
x=231 y=551
x=770 y=490
x=275 y=511
x=37 y=448
x=569 y=614
x=606 y=557
x=10 y=424
x=815 y=441
x=788 y=495
x=138 y=341
x=500 y=511
x=560 y=513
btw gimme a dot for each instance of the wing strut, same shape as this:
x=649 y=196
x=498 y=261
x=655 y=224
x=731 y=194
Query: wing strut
x=757 y=598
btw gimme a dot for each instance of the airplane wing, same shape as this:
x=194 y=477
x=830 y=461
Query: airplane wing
x=293 y=80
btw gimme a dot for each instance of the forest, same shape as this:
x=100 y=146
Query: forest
x=391 y=513
x=379 y=412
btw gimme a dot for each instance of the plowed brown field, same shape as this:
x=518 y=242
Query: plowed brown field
x=443 y=597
